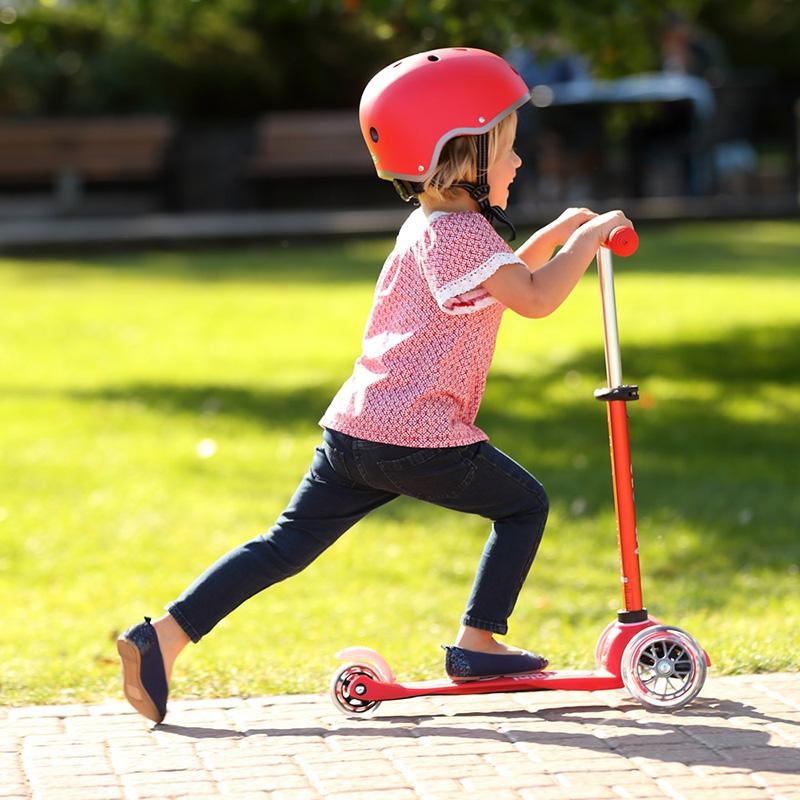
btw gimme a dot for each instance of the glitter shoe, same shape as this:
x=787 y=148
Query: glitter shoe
x=469 y=665
x=144 y=681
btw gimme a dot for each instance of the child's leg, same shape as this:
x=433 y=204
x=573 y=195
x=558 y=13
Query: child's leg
x=326 y=504
x=171 y=641
x=517 y=504
x=479 y=479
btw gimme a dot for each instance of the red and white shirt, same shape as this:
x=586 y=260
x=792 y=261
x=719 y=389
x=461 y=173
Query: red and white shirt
x=429 y=338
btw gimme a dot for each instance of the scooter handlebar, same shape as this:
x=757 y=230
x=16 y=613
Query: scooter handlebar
x=622 y=241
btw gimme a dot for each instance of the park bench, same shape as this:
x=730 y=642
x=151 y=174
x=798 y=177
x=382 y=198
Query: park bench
x=304 y=144
x=68 y=154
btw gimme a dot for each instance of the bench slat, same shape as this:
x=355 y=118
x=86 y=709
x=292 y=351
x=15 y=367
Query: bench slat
x=97 y=149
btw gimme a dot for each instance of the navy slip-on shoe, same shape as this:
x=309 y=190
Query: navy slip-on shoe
x=144 y=681
x=468 y=665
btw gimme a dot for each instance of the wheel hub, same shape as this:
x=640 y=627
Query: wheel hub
x=665 y=667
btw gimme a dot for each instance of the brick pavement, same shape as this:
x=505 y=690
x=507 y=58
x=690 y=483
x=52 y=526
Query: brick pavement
x=739 y=740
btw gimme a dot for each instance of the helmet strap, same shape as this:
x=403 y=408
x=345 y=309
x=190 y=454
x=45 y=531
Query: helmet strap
x=408 y=190
x=479 y=191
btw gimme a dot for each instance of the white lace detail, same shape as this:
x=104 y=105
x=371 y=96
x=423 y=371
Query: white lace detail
x=466 y=289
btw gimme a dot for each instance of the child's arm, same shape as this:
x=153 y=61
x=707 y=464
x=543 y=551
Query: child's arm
x=540 y=292
x=538 y=250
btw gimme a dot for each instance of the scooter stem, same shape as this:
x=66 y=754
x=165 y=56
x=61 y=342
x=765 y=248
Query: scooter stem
x=610 y=332
x=617 y=396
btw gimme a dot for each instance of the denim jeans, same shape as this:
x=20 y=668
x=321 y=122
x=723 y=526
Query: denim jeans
x=350 y=477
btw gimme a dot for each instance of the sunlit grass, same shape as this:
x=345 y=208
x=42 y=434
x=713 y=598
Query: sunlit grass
x=114 y=368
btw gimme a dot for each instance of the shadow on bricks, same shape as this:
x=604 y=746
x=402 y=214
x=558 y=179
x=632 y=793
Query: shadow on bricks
x=713 y=733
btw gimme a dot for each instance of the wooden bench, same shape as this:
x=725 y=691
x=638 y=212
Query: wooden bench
x=68 y=153
x=305 y=144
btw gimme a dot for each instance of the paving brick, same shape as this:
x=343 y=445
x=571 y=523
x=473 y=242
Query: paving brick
x=592 y=766
x=444 y=771
x=539 y=793
x=588 y=791
x=737 y=742
x=462 y=795
x=264 y=773
x=438 y=786
x=14 y=789
x=621 y=778
x=54 y=782
x=778 y=779
x=422 y=759
x=166 y=778
x=334 y=769
x=84 y=793
x=362 y=783
x=732 y=781
x=294 y=794
x=264 y=783
x=389 y=794
x=725 y=794
x=639 y=791
x=77 y=768
x=41 y=712
x=158 y=790
x=534 y=774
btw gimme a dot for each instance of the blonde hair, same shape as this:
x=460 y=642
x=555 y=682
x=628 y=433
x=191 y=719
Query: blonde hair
x=458 y=160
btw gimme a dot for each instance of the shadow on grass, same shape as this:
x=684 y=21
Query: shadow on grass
x=288 y=409
x=766 y=248
x=742 y=357
x=698 y=464
x=348 y=261
x=770 y=249
x=730 y=481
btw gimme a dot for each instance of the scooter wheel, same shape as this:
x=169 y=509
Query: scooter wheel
x=663 y=668
x=343 y=695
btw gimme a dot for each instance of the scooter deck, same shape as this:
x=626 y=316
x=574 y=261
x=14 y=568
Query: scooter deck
x=578 y=680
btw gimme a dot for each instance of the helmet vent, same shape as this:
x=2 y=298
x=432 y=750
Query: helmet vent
x=433 y=58
x=373 y=134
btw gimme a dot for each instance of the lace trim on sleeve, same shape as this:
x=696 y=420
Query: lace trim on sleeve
x=464 y=295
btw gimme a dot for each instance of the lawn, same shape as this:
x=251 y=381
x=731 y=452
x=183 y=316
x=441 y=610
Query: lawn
x=158 y=408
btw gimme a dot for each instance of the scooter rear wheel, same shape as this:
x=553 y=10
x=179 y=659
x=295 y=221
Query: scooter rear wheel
x=344 y=694
x=663 y=668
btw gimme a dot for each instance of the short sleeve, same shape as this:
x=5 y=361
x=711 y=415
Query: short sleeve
x=464 y=250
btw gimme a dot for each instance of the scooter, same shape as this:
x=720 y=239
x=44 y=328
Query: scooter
x=661 y=666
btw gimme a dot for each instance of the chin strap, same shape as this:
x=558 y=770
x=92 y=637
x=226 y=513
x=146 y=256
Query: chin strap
x=478 y=191
x=408 y=190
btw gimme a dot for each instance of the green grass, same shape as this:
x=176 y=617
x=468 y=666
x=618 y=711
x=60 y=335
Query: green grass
x=113 y=368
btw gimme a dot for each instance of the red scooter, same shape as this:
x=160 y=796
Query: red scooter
x=662 y=667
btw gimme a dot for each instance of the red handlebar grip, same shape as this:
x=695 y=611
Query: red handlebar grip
x=623 y=241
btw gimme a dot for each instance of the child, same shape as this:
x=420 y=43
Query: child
x=440 y=125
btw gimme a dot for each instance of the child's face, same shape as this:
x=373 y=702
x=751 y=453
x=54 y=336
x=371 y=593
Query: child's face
x=503 y=169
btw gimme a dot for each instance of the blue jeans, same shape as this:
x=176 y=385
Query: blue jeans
x=350 y=477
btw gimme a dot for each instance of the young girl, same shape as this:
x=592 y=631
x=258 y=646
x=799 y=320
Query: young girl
x=440 y=125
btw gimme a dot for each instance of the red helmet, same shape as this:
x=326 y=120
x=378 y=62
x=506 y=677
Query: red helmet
x=410 y=109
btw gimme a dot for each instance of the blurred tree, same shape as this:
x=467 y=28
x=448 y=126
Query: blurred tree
x=224 y=58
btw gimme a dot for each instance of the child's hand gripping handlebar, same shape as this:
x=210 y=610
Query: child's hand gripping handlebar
x=622 y=241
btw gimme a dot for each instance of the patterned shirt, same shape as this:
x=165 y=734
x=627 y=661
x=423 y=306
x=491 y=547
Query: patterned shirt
x=429 y=338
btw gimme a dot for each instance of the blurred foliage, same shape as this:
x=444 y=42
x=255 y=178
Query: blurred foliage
x=239 y=57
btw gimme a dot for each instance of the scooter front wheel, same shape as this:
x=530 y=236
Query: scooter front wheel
x=345 y=690
x=663 y=668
